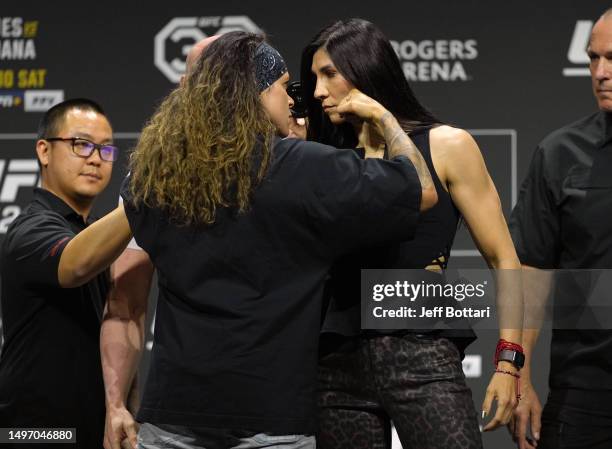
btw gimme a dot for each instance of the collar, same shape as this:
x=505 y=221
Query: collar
x=606 y=119
x=360 y=152
x=58 y=205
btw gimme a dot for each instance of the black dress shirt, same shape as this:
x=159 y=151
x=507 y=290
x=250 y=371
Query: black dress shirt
x=563 y=220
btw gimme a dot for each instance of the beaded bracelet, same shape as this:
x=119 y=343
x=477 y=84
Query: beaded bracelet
x=518 y=381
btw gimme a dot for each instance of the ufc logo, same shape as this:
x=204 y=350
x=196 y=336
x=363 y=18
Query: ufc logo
x=577 y=54
x=19 y=173
x=187 y=31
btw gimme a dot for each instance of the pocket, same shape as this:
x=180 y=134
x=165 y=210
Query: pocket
x=585 y=178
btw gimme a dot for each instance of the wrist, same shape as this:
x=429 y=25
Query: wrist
x=509 y=352
x=507 y=366
x=115 y=402
x=115 y=406
x=378 y=115
x=117 y=409
x=526 y=372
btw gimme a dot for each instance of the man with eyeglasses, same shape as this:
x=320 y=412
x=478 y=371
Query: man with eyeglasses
x=54 y=282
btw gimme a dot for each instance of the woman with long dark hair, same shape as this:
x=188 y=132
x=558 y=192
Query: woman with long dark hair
x=412 y=377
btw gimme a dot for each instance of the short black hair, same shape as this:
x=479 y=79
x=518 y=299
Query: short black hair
x=52 y=120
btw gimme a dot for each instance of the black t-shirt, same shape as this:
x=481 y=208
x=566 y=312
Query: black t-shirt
x=563 y=220
x=50 y=370
x=239 y=308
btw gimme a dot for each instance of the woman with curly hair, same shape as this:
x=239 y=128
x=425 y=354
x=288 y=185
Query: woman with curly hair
x=242 y=227
x=413 y=377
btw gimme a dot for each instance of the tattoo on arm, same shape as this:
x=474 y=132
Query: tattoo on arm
x=399 y=144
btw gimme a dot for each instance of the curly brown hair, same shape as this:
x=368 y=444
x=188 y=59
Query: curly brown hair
x=209 y=143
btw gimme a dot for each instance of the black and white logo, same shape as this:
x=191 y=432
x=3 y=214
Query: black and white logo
x=577 y=54
x=174 y=41
x=436 y=60
x=15 y=174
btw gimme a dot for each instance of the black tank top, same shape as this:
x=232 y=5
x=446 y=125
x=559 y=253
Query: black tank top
x=436 y=228
x=433 y=239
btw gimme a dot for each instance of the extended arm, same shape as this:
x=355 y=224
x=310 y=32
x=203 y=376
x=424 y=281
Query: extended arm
x=122 y=340
x=474 y=193
x=398 y=142
x=92 y=250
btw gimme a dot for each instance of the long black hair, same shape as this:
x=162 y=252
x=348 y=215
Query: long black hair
x=364 y=56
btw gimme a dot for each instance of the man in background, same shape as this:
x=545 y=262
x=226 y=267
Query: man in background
x=562 y=221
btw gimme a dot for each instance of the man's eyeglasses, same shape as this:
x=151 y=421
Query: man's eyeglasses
x=85 y=148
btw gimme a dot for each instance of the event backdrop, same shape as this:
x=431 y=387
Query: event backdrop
x=510 y=72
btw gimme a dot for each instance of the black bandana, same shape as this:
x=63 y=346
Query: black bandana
x=269 y=66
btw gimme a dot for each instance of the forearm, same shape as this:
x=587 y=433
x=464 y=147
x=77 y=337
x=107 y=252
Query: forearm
x=530 y=338
x=122 y=334
x=537 y=284
x=121 y=343
x=399 y=144
x=94 y=249
x=510 y=304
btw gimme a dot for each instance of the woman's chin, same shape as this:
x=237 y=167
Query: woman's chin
x=336 y=119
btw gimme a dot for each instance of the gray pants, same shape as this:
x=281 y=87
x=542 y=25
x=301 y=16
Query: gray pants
x=176 y=437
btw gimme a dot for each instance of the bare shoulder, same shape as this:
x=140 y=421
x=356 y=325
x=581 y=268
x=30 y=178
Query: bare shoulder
x=454 y=151
x=451 y=140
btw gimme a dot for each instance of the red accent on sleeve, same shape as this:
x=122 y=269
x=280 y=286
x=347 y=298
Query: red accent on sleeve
x=57 y=246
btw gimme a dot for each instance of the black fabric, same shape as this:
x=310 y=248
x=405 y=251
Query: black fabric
x=562 y=217
x=572 y=426
x=563 y=221
x=239 y=306
x=433 y=238
x=50 y=370
x=269 y=66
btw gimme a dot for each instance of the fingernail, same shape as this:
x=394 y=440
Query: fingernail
x=484 y=414
x=536 y=435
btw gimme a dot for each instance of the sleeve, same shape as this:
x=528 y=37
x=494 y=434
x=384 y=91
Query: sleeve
x=34 y=246
x=363 y=203
x=534 y=223
x=143 y=225
x=132 y=244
